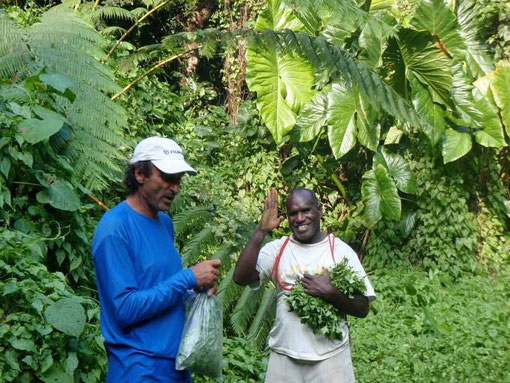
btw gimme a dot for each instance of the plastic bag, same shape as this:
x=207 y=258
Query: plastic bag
x=201 y=347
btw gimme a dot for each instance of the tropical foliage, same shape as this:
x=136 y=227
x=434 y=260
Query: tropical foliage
x=394 y=112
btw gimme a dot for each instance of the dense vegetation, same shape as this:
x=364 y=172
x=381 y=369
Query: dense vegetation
x=396 y=112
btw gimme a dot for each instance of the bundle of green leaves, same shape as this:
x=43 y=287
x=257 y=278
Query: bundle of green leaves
x=321 y=316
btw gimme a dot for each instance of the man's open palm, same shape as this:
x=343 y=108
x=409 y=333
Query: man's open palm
x=270 y=219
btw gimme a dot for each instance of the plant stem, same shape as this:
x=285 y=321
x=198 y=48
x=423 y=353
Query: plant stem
x=157 y=66
x=98 y=201
x=95 y=5
x=134 y=26
x=334 y=178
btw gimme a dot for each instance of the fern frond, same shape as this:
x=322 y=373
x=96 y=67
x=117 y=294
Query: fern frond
x=223 y=254
x=40 y=32
x=112 y=31
x=63 y=43
x=14 y=53
x=74 y=63
x=107 y=13
x=228 y=291
x=139 y=12
x=261 y=324
x=65 y=21
x=245 y=309
x=195 y=245
x=191 y=215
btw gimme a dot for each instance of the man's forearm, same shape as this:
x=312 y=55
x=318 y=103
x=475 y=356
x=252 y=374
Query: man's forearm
x=357 y=306
x=245 y=271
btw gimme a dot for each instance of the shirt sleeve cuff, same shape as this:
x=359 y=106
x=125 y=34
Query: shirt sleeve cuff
x=189 y=275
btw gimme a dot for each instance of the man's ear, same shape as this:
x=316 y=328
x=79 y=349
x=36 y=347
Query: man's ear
x=320 y=212
x=140 y=177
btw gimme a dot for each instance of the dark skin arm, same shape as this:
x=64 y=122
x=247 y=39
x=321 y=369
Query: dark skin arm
x=245 y=271
x=320 y=286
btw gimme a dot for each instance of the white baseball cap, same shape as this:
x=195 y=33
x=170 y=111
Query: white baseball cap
x=164 y=154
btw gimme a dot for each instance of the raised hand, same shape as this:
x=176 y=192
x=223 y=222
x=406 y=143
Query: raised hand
x=270 y=219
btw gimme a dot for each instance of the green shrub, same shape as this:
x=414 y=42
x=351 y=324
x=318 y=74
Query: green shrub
x=424 y=327
x=47 y=332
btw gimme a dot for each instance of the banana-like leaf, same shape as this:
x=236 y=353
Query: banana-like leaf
x=398 y=169
x=434 y=16
x=490 y=133
x=394 y=63
x=468 y=17
x=500 y=85
x=455 y=145
x=313 y=117
x=372 y=40
x=307 y=12
x=369 y=131
x=429 y=110
x=380 y=195
x=277 y=17
x=283 y=83
x=424 y=59
x=341 y=119
x=462 y=94
x=393 y=136
x=340 y=20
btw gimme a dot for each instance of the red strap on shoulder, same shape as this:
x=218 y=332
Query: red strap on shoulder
x=277 y=262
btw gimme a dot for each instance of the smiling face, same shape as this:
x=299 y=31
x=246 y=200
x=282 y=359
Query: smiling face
x=304 y=215
x=157 y=191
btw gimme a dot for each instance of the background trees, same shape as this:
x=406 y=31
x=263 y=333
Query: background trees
x=394 y=112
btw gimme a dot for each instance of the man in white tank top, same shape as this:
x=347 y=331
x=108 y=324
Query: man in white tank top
x=297 y=354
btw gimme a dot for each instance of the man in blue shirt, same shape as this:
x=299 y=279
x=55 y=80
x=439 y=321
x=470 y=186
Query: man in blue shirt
x=140 y=279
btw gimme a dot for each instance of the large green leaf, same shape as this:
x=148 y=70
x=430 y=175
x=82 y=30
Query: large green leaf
x=372 y=40
x=340 y=20
x=60 y=195
x=283 y=83
x=500 y=85
x=313 y=116
x=380 y=195
x=434 y=16
x=398 y=169
x=490 y=133
x=455 y=145
x=462 y=94
x=432 y=112
x=369 y=131
x=66 y=315
x=276 y=17
x=35 y=130
x=56 y=375
x=341 y=119
x=468 y=17
x=424 y=59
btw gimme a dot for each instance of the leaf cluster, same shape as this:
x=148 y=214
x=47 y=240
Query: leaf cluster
x=322 y=317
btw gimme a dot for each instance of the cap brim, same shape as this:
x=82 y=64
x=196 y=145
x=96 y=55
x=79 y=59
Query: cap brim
x=174 y=166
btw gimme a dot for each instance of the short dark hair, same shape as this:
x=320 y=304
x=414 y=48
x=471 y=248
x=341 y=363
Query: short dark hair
x=144 y=167
x=310 y=192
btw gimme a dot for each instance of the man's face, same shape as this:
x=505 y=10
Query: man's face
x=159 y=189
x=304 y=217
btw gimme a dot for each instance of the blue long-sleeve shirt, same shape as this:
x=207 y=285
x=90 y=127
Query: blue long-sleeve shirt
x=141 y=285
